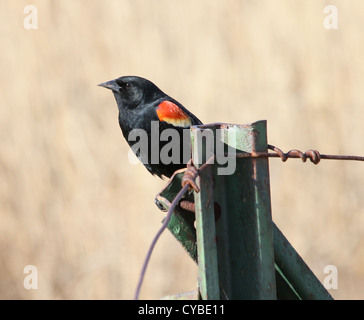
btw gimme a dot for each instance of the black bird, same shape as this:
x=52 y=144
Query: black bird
x=144 y=107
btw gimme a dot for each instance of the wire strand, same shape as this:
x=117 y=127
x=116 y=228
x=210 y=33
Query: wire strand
x=188 y=182
x=152 y=245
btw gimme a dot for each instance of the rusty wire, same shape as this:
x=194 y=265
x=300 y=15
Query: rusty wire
x=189 y=181
x=314 y=156
x=160 y=231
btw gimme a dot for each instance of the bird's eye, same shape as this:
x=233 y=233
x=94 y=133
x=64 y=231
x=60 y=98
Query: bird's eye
x=120 y=83
x=123 y=85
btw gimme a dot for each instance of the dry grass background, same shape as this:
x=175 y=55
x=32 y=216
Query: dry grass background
x=70 y=201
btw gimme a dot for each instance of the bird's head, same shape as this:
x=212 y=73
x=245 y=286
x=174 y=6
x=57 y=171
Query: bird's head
x=130 y=91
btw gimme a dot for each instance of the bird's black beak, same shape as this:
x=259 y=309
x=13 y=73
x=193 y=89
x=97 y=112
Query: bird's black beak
x=110 y=85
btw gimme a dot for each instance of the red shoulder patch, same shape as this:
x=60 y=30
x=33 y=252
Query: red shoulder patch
x=171 y=113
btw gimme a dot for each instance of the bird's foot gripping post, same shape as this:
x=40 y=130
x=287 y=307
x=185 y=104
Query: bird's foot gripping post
x=226 y=225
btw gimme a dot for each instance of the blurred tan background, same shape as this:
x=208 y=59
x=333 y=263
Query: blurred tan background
x=71 y=203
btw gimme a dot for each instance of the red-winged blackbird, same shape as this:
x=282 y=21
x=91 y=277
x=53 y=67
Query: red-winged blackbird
x=141 y=105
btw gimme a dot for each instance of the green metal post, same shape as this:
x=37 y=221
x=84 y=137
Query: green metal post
x=242 y=233
x=205 y=227
x=296 y=272
x=234 y=236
